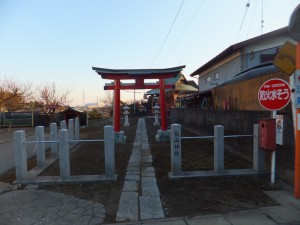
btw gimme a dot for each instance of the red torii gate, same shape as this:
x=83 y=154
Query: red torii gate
x=139 y=75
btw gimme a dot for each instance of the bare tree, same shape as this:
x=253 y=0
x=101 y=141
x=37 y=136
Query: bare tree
x=50 y=99
x=14 y=95
x=108 y=101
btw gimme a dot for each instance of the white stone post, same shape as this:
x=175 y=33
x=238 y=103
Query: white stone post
x=109 y=152
x=218 y=148
x=63 y=124
x=53 y=137
x=156 y=114
x=258 y=153
x=175 y=149
x=126 y=113
x=64 y=154
x=71 y=129
x=20 y=155
x=40 y=150
x=77 y=128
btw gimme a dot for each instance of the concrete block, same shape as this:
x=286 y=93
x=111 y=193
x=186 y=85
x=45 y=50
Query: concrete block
x=128 y=207
x=150 y=208
x=249 y=217
x=208 y=220
x=283 y=214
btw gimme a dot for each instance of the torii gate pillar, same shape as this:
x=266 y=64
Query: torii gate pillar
x=119 y=135
x=117 y=108
x=162 y=98
x=163 y=134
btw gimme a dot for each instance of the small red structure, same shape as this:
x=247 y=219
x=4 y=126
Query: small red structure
x=139 y=75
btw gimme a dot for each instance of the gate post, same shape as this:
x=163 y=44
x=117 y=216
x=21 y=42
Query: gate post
x=258 y=154
x=40 y=151
x=64 y=154
x=175 y=149
x=71 y=129
x=53 y=137
x=77 y=128
x=109 y=152
x=218 y=148
x=20 y=155
x=63 y=124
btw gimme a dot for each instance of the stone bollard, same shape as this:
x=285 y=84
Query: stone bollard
x=77 y=128
x=218 y=148
x=109 y=152
x=175 y=149
x=40 y=150
x=126 y=113
x=156 y=114
x=53 y=137
x=71 y=129
x=63 y=124
x=20 y=155
x=258 y=153
x=64 y=154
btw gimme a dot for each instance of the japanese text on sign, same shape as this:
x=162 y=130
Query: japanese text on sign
x=280 y=94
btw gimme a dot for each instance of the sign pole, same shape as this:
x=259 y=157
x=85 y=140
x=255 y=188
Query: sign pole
x=297 y=136
x=294 y=30
x=273 y=156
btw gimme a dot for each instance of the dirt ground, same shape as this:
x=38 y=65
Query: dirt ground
x=188 y=197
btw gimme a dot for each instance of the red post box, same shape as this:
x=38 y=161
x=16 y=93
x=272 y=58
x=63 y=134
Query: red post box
x=267 y=134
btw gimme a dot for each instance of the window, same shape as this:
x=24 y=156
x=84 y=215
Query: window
x=208 y=79
x=216 y=76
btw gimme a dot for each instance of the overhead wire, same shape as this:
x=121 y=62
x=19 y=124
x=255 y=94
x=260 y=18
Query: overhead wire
x=247 y=6
x=262 y=16
x=167 y=36
x=188 y=25
x=252 y=17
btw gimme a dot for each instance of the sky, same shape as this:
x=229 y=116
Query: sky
x=59 y=41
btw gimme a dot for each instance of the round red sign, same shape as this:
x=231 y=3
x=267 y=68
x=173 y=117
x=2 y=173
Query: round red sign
x=274 y=94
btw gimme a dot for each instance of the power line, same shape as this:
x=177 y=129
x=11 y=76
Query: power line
x=167 y=34
x=262 y=16
x=188 y=25
x=247 y=6
x=252 y=17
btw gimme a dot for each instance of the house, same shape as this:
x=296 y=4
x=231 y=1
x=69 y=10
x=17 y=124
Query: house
x=180 y=85
x=224 y=79
x=72 y=113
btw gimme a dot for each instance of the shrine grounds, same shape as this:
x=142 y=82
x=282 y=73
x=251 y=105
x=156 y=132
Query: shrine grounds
x=180 y=198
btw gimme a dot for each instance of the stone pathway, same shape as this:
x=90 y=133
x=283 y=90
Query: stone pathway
x=140 y=178
x=26 y=207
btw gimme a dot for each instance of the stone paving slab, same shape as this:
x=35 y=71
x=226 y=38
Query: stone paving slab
x=133 y=172
x=150 y=208
x=283 y=214
x=43 y=207
x=149 y=182
x=249 y=217
x=130 y=185
x=284 y=197
x=168 y=222
x=150 y=191
x=133 y=168
x=216 y=219
x=132 y=177
x=128 y=207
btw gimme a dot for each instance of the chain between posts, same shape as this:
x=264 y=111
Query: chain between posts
x=227 y=136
